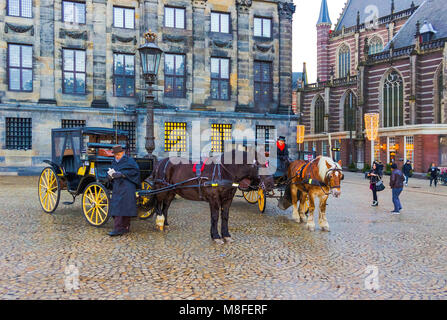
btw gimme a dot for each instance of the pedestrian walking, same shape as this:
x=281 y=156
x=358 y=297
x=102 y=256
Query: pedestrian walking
x=406 y=170
x=433 y=172
x=397 y=185
x=374 y=177
x=125 y=176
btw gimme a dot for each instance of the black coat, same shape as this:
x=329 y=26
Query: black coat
x=433 y=171
x=282 y=158
x=406 y=169
x=124 y=202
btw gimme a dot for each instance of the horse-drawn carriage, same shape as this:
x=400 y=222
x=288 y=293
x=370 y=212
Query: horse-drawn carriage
x=80 y=160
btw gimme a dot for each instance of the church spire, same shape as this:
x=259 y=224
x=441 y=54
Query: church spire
x=324 y=14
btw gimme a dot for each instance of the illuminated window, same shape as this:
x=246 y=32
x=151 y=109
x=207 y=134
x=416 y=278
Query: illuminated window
x=377 y=150
x=175 y=136
x=409 y=149
x=219 y=134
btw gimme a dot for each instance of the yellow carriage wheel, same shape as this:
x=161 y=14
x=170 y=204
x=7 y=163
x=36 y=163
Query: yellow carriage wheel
x=49 y=190
x=251 y=196
x=142 y=214
x=261 y=200
x=96 y=204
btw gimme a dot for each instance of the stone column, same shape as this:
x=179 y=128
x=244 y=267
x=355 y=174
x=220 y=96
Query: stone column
x=46 y=59
x=98 y=37
x=285 y=11
x=200 y=75
x=245 y=99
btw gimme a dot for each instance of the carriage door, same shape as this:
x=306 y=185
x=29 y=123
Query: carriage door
x=263 y=85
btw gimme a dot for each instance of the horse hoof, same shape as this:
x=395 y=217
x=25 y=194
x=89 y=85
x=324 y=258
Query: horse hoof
x=310 y=227
x=218 y=241
x=326 y=229
x=160 y=228
x=228 y=240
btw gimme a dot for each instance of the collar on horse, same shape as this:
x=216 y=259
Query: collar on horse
x=308 y=179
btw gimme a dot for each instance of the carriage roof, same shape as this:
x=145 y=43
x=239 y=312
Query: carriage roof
x=93 y=131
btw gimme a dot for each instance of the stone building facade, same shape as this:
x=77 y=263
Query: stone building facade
x=382 y=56
x=67 y=63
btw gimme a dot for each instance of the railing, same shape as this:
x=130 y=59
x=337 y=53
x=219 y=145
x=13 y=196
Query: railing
x=434 y=44
x=383 y=20
x=336 y=82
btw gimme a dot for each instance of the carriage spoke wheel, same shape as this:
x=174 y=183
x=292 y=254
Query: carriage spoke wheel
x=261 y=200
x=49 y=190
x=95 y=204
x=142 y=214
x=251 y=196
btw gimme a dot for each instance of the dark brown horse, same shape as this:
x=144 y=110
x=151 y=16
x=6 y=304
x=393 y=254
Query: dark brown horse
x=216 y=181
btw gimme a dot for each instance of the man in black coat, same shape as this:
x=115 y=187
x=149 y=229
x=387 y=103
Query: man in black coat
x=406 y=170
x=282 y=157
x=125 y=175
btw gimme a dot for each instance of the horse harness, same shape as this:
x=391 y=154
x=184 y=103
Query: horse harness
x=308 y=179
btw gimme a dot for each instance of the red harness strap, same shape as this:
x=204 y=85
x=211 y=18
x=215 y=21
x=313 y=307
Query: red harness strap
x=194 y=168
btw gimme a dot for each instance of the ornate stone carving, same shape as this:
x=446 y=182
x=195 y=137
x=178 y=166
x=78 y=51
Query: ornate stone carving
x=286 y=10
x=18 y=28
x=124 y=39
x=82 y=35
x=264 y=47
x=173 y=38
x=243 y=5
x=226 y=44
x=199 y=3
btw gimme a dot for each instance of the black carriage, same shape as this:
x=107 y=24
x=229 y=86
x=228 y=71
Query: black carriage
x=80 y=160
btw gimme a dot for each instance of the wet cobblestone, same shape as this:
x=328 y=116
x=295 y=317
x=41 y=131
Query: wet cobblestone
x=272 y=257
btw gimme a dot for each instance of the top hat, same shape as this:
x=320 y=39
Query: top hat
x=117 y=149
x=282 y=138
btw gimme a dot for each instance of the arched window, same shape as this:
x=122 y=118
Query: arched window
x=393 y=101
x=440 y=96
x=350 y=108
x=344 y=61
x=375 y=45
x=319 y=115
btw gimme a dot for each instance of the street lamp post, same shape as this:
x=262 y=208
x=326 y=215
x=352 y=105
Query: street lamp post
x=150 y=55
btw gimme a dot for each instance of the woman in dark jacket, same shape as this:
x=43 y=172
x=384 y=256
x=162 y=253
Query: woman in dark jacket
x=375 y=176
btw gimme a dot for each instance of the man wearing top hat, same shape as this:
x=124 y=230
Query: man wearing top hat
x=282 y=156
x=125 y=176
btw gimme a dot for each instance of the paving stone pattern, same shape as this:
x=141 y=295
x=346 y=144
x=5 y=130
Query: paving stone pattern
x=272 y=257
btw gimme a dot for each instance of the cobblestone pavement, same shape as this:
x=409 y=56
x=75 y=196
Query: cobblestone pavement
x=272 y=257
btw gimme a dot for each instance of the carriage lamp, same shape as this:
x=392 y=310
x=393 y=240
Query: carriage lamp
x=300 y=129
x=150 y=55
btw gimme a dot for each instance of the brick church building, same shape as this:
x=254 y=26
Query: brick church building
x=382 y=56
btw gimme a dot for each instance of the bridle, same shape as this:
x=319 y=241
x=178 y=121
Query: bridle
x=335 y=169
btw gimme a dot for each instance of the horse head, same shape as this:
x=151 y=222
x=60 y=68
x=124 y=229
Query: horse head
x=332 y=175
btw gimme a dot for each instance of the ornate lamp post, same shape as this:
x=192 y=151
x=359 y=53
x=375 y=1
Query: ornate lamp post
x=150 y=55
x=372 y=130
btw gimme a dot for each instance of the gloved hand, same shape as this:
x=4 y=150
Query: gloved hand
x=117 y=175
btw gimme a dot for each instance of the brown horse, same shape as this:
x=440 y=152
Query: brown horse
x=317 y=178
x=215 y=181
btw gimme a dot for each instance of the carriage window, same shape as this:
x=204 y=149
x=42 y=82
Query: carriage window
x=175 y=136
x=219 y=134
x=18 y=133
x=131 y=131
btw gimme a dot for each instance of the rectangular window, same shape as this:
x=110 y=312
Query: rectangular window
x=324 y=147
x=20 y=67
x=124 y=17
x=263 y=27
x=175 y=136
x=220 y=22
x=18 y=133
x=266 y=135
x=409 y=149
x=306 y=146
x=124 y=75
x=219 y=134
x=220 y=78
x=263 y=82
x=130 y=128
x=69 y=123
x=73 y=71
x=20 y=8
x=175 y=76
x=175 y=17
x=73 y=12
